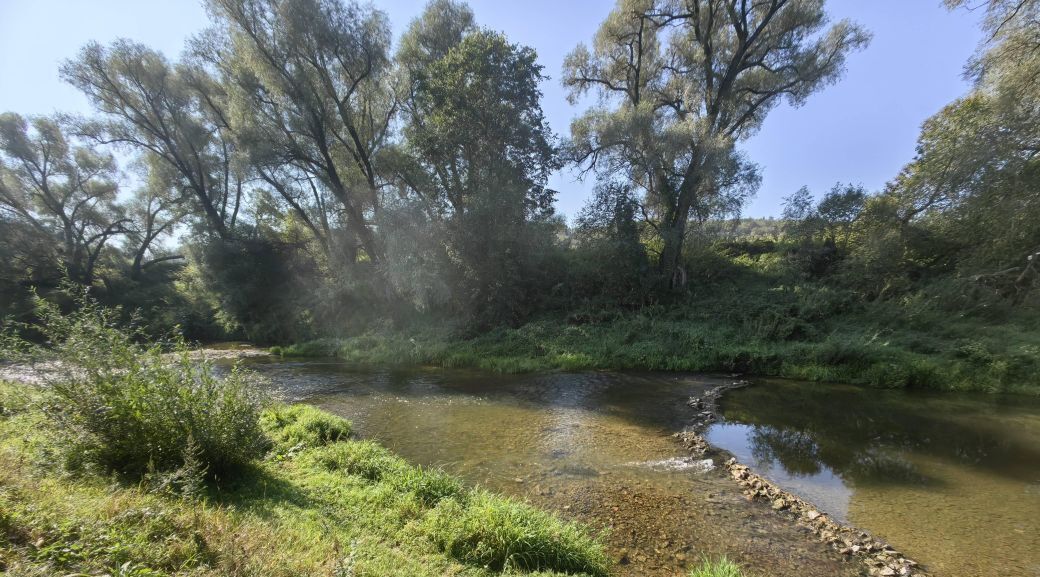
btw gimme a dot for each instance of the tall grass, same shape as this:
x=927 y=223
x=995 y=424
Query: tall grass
x=877 y=348
x=490 y=531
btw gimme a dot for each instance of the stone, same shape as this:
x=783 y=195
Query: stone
x=813 y=515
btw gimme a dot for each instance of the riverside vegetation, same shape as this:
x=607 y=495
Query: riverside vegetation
x=391 y=206
x=137 y=460
x=301 y=178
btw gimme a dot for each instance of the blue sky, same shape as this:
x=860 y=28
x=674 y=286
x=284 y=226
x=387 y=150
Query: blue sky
x=862 y=130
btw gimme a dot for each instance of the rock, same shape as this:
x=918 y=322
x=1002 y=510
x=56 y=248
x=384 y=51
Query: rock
x=887 y=572
x=780 y=504
x=813 y=515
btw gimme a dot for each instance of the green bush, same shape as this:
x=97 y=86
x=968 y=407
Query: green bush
x=502 y=534
x=303 y=425
x=134 y=408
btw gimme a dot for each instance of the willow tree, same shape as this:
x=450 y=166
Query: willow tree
x=681 y=82
x=155 y=210
x=311 y=104
x=62 y=189
x=171 y=111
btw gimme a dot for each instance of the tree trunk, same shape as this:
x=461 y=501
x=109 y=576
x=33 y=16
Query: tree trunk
x=673 y=229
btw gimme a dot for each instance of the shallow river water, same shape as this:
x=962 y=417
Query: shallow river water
x=598 y=447
x=952 y=480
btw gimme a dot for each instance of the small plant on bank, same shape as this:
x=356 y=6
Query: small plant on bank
x=504 y=535
x=133 y=408
x=722 y=567
x=303 y=426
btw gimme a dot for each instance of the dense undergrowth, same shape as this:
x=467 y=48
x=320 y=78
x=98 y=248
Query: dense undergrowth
x=745 y=323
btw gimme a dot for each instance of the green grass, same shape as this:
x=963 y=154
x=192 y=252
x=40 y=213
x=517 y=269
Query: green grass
x=720 y=568
x=318 y=503
x=951 y=355
x=742 y=315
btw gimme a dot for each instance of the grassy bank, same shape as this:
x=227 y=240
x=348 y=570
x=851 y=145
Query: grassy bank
x=784 y=334
x=130 y=459
x=318 y=503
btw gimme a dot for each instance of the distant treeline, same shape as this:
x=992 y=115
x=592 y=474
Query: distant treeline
x=295 y=176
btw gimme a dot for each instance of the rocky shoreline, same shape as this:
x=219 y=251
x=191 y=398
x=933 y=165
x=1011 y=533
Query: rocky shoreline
x=881 y=559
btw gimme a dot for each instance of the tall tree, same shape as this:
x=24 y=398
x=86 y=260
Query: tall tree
x=681 y=81
x=479 y=147
x=64 y=190
x=171 y=111
x=311 y=103
x=972 y=188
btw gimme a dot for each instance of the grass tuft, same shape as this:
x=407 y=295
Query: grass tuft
x=722 y=567
x=504 y=535
x=303 y=426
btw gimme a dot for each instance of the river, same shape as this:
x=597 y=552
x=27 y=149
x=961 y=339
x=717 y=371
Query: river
x=598 y=447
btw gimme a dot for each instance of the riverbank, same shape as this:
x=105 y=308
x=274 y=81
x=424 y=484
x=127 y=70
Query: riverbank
x=955 y=354
x=317 y=504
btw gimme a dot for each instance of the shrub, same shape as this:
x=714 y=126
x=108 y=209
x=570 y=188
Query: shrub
x=134 y=408
x=502 y=534
x=303 y=425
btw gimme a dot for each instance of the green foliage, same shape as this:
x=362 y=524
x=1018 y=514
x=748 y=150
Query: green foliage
x=744 y=320
x=701 y=85
x=502 y=534
x=344 y=504
x=303 y=426
x=133 y=408
x=477 y=149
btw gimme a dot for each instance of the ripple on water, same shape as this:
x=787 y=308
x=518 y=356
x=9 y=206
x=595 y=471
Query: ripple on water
x=677 y=464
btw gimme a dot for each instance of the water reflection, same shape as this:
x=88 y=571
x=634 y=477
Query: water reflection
x=937 y=474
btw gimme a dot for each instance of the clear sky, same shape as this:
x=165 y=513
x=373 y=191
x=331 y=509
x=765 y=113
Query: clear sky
x=862 y=130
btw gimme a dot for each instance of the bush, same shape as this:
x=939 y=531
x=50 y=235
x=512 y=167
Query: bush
x=502 y=534
x=303 y=425
x=134 y=408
